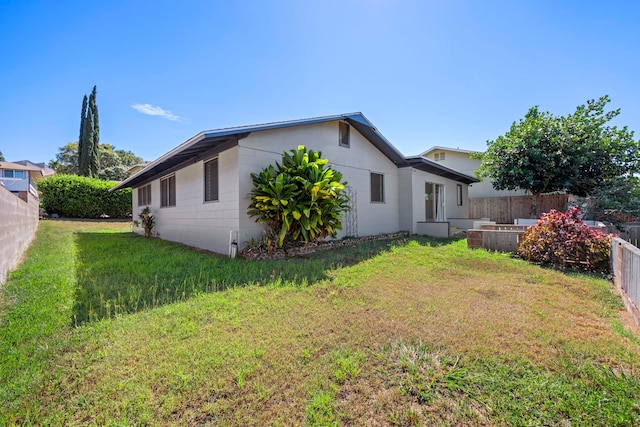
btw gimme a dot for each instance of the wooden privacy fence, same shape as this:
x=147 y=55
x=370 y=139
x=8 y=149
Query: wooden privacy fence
x=632 y=234
x=625 y=266
x=504 y=210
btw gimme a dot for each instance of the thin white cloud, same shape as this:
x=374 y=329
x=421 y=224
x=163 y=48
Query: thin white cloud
x=153 y=110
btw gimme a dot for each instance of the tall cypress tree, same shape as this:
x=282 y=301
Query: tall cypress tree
x=82 y=143
x=88 y=142
x=94 y=141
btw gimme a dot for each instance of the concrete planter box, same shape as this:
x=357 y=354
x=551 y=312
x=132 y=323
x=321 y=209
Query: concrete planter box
x=434 y=229
x=501 y=238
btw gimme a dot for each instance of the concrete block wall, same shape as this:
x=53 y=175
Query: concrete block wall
x=501 y=240
x=18 y=225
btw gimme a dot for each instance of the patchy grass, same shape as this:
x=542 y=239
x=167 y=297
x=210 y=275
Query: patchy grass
x=137 y=274
x=411 y=332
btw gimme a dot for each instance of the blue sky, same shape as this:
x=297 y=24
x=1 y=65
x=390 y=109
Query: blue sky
x=448 y=72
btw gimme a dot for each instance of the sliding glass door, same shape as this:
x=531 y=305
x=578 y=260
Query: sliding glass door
x=434 y=200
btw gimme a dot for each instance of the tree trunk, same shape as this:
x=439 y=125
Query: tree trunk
x=535 y=205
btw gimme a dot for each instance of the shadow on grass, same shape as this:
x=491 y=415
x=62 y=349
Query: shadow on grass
x=119 y=273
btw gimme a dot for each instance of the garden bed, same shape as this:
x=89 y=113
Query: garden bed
x=260 y=253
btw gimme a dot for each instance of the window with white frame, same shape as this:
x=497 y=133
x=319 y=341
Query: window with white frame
x=377 y=187
x=168 y=191
x=144 y=195
x=343 y=134
x=9 y=173
x=438 y=156
x=211 y=180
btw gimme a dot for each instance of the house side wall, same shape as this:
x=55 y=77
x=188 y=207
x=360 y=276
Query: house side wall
x=461 y=162
x=18 y=225
x=193 y=221
x=15 y=184
x=261 y=149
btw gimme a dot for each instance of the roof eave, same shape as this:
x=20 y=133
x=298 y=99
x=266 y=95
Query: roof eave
x=154 y=164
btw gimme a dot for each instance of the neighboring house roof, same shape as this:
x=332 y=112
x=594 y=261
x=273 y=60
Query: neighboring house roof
x=135 y=168
x=42 y=166
x=19 y=167
x=440 y=148
x=205 y=141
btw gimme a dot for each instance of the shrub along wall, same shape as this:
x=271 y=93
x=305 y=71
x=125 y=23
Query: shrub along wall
x=81 y=197
x=18 y=224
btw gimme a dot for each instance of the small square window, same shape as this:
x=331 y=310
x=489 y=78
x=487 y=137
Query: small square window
x=377 y=187
x=343 y=137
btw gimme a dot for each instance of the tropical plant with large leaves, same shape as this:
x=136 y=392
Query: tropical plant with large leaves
x=303 y=198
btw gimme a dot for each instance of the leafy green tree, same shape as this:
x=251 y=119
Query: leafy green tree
x=66 y=161
x=301 y=199
x=114 y=163
x=544 y=153
x=616 y=201
x=600 y=153
x=2 y=159
x=128 y=158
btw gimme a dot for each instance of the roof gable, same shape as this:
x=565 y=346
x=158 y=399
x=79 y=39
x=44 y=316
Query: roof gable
x=192 y=149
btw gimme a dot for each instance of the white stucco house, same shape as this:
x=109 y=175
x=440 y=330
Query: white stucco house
x=461 y=161
x=198 y=191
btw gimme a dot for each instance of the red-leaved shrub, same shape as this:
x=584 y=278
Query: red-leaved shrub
x=563 y=239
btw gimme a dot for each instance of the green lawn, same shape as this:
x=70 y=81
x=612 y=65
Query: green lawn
x=102 y=327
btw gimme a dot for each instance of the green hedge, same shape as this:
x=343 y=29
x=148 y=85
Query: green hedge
x=81 y=197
